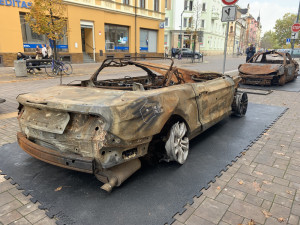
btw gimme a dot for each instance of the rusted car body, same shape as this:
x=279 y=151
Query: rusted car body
x=103 y=127
x=269 y=68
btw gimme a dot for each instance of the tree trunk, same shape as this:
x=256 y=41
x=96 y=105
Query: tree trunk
x=55 y=51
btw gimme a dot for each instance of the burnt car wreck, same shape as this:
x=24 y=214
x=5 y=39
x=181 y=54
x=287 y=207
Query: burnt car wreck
x=104 y=127
x=269 y=68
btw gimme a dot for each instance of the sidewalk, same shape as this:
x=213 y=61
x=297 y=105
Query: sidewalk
x=262 y=187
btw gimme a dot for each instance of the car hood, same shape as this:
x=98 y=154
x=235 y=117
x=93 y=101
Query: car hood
x=260 y=68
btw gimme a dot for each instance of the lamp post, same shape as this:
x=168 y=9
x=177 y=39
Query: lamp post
x=181 y=29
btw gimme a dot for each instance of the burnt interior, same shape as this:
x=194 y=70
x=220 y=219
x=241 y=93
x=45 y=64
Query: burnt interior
x=156 y=76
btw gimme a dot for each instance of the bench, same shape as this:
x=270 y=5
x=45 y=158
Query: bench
x=32 y=64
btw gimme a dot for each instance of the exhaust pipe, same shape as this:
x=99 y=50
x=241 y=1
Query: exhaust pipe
x=118 y=174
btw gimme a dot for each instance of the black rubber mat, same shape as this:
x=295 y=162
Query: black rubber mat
x=293 y=86
x=151 y=196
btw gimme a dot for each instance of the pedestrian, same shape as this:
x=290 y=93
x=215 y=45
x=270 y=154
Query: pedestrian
x=179 y=54
x=44 y=52
x=250 y=51
x=166 y=52
x=38 y=53
x=173 y=50
x=21 y=56
x=50 y=52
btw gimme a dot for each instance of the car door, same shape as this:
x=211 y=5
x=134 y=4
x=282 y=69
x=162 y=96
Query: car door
x=290 y=67
x=214 y=99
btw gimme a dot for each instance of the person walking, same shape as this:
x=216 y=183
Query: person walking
x=44 y=52
x=166 y=52
x=250 y=51
x=50 y=52
x=173 y=50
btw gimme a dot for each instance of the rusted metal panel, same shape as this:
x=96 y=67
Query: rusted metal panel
x=112 y=123
x=259 y=68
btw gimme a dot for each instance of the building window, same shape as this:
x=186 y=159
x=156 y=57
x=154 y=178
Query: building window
x=188 y=5
x=126 y=2
x=142 y=4
x=166 y=22
x=166 y=39
x=31 y=39
x=185 y=22
x=148 y=40
x=231 y=29
x=202 y=23
x=156 y=5
x=191 y=6
x=166 y=3
x=190 y=22
x=203 y=7
x=116 y=38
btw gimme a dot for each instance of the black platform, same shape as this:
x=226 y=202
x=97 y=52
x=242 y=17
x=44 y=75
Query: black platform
x=151 y=196
x=293 y=86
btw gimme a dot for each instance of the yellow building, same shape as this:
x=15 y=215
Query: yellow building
x=97 y=29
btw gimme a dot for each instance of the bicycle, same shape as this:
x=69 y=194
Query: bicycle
x=58 y=67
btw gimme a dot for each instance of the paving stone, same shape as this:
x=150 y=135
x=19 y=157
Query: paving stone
x=14 y=191
x=262 y=176
x=270 y=170
x=46 y=221
x=247 y=210
x=232 y=218
x=22 y=198
x=187 y=213
x=35 y=216
x=10 y=217
x=5 y=185
x=28 y=208
x=292 y=178
x=177 y=223
x=9 y=207
x=283 y=201
x=241 y=185
x=223 y=223
x=226 y=176
x=266 y=195
x=198 y=201
x=266 y=205
x=254 y=200
x=211 y=210
x=293 y=220
x=280 y=211
x=234 y=193
x=21 y=221
x=279 y=190
x=282 y=161
x=296 y=209
x=226 y=199
x=281 y=181
x=294 y=185
x=5 y=198
x=274 y=221
x=214 y=189
x=195 y=220
x=244 y=177
x=246 y=221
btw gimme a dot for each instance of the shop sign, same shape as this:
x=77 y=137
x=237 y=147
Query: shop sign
x=16 y=3
x=34 y=46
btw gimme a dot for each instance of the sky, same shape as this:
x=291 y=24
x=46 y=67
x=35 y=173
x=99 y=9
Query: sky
x=270 y=10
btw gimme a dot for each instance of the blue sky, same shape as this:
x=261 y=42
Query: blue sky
x=270 y=10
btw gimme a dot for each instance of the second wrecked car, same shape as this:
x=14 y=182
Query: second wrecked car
x=104 y=127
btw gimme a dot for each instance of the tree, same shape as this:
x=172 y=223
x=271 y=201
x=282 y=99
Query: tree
x=48 y=17
x=283 y=28
x=269 y=40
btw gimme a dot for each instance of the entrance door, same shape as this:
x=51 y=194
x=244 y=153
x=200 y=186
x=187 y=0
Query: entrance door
x=88 y=38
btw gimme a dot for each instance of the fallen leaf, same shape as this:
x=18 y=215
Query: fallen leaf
x=266 y=182
x=256 y=186
x=266 y=213
x=241 y=182
x=280 y=219
x=251 y=222
x=289 y=192
x=243 y=153
x=279 y=153
x=258 y=173
x=58 y=189
x=282 y=145
x=219 y=188
x=265 y=134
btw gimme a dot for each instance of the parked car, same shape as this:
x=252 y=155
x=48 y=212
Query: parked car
x=186 y=52
x=269 y=68
x=104 y=127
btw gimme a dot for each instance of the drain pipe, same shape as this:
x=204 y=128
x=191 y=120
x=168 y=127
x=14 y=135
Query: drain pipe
x=135 y=28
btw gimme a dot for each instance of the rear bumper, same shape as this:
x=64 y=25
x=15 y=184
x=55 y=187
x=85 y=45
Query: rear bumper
x=69 y=161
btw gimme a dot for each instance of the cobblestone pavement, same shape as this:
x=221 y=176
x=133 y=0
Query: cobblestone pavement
x=262 y=186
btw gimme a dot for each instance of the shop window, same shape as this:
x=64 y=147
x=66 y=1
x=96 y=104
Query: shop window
x=126 y=2
x=166 y=22
x=116 y=38
x=148 y=40
x=142 y=4
x=156 y=5
x=31 y=39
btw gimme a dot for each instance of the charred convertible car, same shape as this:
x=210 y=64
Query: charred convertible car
x=103 y=127
x=269 y=68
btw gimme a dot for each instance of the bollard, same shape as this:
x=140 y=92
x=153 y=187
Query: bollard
x=20 y=68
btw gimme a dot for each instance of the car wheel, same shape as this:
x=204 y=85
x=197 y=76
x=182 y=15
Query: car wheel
x=176 y=56
x=240 y=104
x=196 y=56
x=282 y=80
x=177 y=144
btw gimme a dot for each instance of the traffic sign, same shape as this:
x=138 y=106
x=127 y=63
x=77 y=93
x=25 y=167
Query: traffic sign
x=229 y=2
x=228 y=13
x=296 y=27
x=294 y=35
x=288 y=40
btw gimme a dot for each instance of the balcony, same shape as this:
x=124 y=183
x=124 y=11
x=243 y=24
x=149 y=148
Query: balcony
x=215 y=15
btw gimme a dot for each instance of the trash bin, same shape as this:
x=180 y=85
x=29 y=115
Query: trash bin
x=20 y=68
